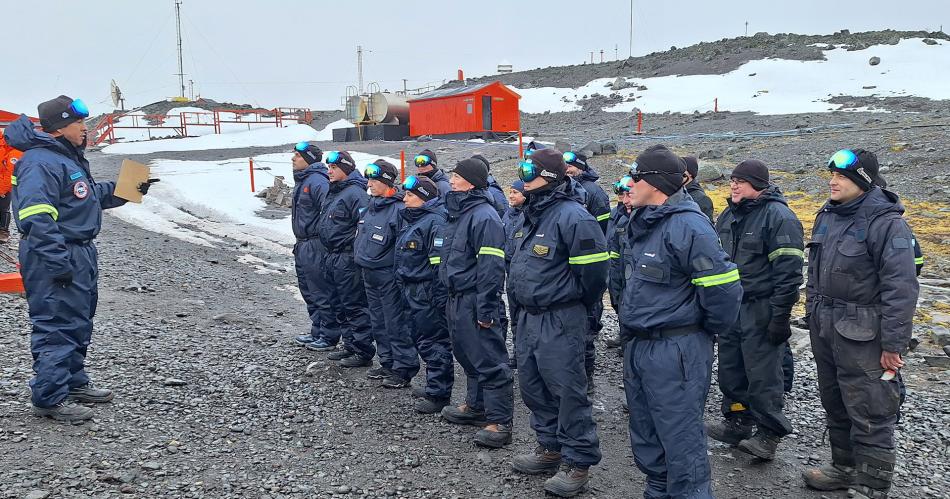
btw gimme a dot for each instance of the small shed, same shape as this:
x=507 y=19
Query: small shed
x=483 y=110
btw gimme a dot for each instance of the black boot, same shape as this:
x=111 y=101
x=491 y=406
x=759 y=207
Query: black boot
x=90 y=394
x=396 y=381
x=430 y=405
x=762 y=445
x=731 y=430
x=874 y=469
x=356 y=361
x=379 y=373
x=66 y=410
x=494 y=436
x=569 y=481
x=829 y=477
x=419 y=392
x=464 y=414
x=340 y=354
x=541 y=461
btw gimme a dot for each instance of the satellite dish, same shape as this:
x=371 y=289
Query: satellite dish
x=117 y=99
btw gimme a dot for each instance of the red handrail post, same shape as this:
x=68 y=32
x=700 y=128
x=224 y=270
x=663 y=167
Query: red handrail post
x=520 y=145
x=251 y=163
x=639 y=122
x=402 y=163
x=716 y=105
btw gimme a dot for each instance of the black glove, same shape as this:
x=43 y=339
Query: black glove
x=780 y=329
x=63 y=280
x=143 y=187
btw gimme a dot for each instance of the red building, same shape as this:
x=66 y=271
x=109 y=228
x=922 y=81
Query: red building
x=475 y=110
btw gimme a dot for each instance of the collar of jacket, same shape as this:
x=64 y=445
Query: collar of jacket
x=458 y=202
x=588 y=175
x=354 y=178
x=646 y=217
x=771 y=194
x=865 y=208
x=301 y=175
x=412 y=215
x=538 y=203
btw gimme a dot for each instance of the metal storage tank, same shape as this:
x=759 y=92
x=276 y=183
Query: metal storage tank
x=356 y=106
x=387 y=107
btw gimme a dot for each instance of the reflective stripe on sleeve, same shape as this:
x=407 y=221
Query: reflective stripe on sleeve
x=586 y=259
x=488 y=250
x=605 y=216
x=786 y=252
x=919 y=261
x=36 y=209
x=435 y=260
x=718 y=279
x=12 y=179
x=614 y=255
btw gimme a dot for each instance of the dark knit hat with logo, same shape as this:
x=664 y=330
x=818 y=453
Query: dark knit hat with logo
x=754 y=172
x=550 y=164
x=344 y=162
x=425 y=188
x=474 y=171
x=312 y=154
x=662 y=169
x=580 y=161
x=433 y=160
x=866 y=173
x=57 y=113
x=692 y=165
x=388 y=173
x=483 y=159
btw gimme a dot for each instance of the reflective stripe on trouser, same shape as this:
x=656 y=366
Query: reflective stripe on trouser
x=482 y=354
x=431 y=336
x=750 y=368
x=594 y=314
x=666 y=382
x=62 y=321
x=386 y=308
x=308 y=263
x=860 y=408
x=345 y=281
x=553 y=382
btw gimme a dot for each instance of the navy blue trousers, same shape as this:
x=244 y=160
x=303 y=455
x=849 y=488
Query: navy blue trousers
x=62 y=321
x=308 y=263
x=349 y=318
x=430 y=335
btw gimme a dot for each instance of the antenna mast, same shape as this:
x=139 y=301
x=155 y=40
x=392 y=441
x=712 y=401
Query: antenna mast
x=359 y=65
x=181 y=70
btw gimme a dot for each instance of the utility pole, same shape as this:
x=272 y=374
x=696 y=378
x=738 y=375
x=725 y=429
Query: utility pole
x=616 y=52
x=630 y=54
x=191 y=89
x=181 y=70
x=405 y=90
x=359 y=65
x=747 y=28
x=591 y=56
x=601 y=56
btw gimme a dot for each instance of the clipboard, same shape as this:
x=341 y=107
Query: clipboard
x=131 y=174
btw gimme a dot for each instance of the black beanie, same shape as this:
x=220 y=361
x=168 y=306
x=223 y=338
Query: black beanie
x=345 y=162
x=580 y=161
x=866 y=173
x=754 y=172
x=425 y=188
x=550 y=163
x=692 y=165
x=388 y=173
x=312 y=154
x=474 y=171
x=668 y=168
x=55 y=114
x=432 y=157
x=483 y=159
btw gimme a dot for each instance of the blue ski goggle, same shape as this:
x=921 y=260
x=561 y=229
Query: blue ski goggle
x=844 y=159
x=372 y=171
x=410 y=183
x=301 y=146
x=623 y=185
x=569 y=157
x=422 y=160
x=79 y=109
x=528 y=171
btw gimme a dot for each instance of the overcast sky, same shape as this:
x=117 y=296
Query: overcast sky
x=303 y=52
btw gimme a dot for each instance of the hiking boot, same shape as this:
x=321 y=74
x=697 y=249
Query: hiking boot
x=569 y=481
x=356 y=361
x=320 y=345
x=430 y=405
x=90 y=394
x=419 y=392
x=762 y=445
x=541 y=461
x=613 y=342
x=340 y=354
x=494 y=436
x=730 y=430
x=829 y=477
x=464 y=414
x=396 y=381
x=379 y=373
x=65 y=411
x=304 y=340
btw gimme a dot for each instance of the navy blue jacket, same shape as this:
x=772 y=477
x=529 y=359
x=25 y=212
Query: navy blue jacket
x=440 y=179
x=310 y=192
x=55 y=198
x=560 y=253
x=376 y=233
x=514 y=217
x=765 y=239
x=598 y=203
x=341 y=211
x=419 y=245
x=862 y=278
x=616 y=235
x=675 y=271
x=473 y=254
x=499 y=199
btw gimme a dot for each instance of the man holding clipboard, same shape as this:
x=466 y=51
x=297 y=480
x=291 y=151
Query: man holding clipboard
x=58 y=207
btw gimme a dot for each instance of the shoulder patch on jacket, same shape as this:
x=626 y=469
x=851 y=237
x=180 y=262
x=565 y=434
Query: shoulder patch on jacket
x=783 y=239
x=587 y=244
x=900 y=243
x=541 y=250
x=75 y=175
x=702 y=264
x=438 y=242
